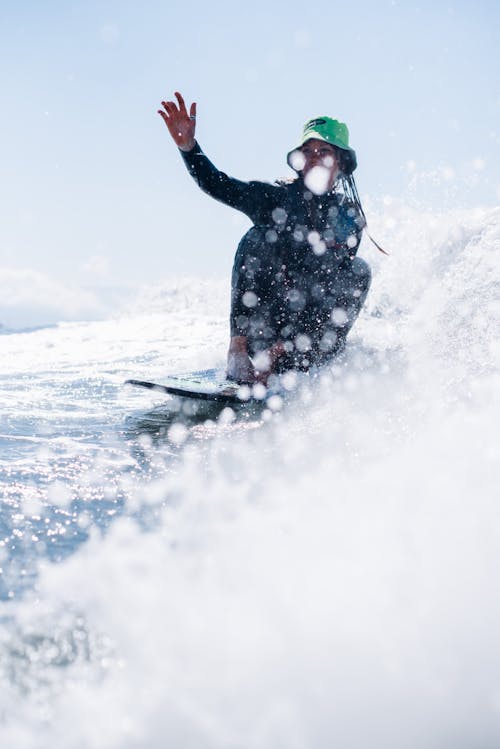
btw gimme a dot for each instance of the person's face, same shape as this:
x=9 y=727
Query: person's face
x=320 y=167
x=319 y=153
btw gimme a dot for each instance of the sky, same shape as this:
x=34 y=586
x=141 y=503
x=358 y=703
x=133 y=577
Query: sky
x=93 y=189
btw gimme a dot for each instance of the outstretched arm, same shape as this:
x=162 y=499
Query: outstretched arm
x=181 y=125
x=255 y=199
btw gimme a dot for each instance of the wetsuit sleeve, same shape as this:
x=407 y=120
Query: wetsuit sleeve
x=255 y=199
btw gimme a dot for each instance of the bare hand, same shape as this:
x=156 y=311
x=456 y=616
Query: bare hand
x=181 y=125
x=240 y=368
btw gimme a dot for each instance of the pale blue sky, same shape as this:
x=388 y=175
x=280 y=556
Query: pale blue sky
x=92 y=186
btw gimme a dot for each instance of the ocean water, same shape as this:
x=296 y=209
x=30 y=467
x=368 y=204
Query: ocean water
x=321 y=576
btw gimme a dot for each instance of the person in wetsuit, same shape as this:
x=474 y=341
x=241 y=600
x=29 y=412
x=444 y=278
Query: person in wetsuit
x=297 y=284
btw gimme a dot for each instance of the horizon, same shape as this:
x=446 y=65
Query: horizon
x=94 y=190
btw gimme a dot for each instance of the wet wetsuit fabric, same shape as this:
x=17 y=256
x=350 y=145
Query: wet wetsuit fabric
x=296 y=277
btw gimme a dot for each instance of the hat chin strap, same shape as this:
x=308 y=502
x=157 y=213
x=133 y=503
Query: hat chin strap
x=351 y=191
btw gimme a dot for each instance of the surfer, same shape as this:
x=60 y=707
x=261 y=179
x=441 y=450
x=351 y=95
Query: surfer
x=297 y=284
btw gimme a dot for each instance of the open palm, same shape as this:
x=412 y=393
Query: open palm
x=181 y=125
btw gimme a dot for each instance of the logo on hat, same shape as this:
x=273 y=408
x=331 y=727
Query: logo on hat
x=314 y=123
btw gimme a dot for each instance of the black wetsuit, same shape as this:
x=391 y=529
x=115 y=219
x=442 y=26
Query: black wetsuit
x=296 y=277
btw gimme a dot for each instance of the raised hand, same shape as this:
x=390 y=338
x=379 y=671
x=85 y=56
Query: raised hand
x=181 y=125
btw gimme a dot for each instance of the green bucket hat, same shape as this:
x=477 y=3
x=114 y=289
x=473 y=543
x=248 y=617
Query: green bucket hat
x=331 y=131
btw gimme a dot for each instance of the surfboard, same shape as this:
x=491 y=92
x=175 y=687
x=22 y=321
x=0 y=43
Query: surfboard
x=209 y=385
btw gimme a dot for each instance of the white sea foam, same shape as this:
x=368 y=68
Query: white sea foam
x=326 y=579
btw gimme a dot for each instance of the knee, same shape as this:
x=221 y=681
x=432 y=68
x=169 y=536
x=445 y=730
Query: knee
x=361 y=273
x=253 y=242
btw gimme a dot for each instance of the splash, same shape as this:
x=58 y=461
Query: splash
x=270 y=585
